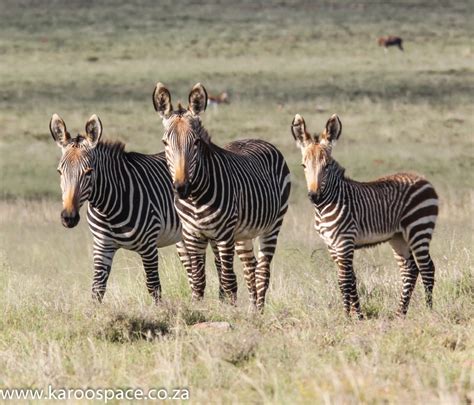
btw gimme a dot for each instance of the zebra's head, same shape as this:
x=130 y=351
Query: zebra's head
x=316 y=152
x=76 y=166
x=184 y=138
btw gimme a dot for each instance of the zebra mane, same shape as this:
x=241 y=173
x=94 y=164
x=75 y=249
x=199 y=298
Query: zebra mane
x=338 y=169
x=204 y=135
x=114 y=147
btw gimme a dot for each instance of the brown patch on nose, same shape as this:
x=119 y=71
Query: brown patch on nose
x=179 y=171
x=69 y=200
x=313 y=187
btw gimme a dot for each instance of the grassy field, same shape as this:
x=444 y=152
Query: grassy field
x=400 y=111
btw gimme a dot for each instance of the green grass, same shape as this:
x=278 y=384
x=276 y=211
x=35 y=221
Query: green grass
x=400 y=111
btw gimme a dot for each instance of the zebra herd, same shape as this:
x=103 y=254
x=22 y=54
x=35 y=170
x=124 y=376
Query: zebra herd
x=196 y=193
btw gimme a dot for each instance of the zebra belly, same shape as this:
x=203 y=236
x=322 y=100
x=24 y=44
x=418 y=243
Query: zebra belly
x=169 y=238
x=132 y=236
x=204 y=230
x=246 y=234
x=372 y=239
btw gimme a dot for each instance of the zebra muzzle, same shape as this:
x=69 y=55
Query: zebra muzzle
x=182 y=189
x=70 y=219
x=314 y=196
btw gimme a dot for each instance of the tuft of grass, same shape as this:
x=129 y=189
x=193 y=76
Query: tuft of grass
x=124 y=328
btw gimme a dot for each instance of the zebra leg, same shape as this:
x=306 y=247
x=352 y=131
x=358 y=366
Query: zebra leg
x=355 y=303
x=150 y=264
x=185 y=260
x=346 y=278
x=267 y=248
x=103 y=257
x=408 y=271
x=217 y=262
x=196 y=249
x=228 y=279
x=427 y=271
x=245 y=251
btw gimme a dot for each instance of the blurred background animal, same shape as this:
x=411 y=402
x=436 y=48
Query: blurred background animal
x=391 y=41
x=215 y=100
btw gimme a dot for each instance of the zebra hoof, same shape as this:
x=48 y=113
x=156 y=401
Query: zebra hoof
x=156 y=295
x=98 y=296
x=197 y=297
x=401 y=314
x=252 y=309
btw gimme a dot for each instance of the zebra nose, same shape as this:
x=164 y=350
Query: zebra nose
x=313 y=196
x=69 y=219
x=182 y=189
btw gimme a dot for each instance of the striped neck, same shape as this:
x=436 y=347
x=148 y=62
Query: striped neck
x=110 y=172
x=207 y=179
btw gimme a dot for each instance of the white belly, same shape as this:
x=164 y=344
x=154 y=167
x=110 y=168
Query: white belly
x=371 y=239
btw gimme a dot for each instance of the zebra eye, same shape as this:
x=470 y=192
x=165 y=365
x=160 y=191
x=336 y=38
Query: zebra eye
x=197 y=141
x=60 y=172
x=303 y=165
x=88 y=171
x=165 y=142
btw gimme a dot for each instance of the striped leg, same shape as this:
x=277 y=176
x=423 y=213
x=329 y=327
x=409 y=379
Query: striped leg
x=228 y=279
x=245 y=251
x=355 y=303
x=196 y=249
x=427 y=271
x=217 y=262
x=103 y=257
x=185 y=260
x=347 y=279
x=150 y=264
x=419 y=238
x=265 y=255
x=408 y=271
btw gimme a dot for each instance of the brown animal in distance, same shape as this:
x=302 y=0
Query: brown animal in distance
x=215 y=100
x=391 y=41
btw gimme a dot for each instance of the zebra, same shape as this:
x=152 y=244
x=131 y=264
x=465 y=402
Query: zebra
x=227 y=196
x=400 y=209
x=130 y=199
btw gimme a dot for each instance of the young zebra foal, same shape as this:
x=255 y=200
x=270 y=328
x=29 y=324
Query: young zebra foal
x=400 y=209
x=130 y=199
x=227 y=196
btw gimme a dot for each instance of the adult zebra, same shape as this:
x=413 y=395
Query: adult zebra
x=228 y=195
x=130 y=201
x=401 y=209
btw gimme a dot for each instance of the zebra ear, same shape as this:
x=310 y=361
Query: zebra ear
x=93 y=130
x=58 y=130
x=162 y=100
x=333 y=130
x=198 y=99
x=298 y=130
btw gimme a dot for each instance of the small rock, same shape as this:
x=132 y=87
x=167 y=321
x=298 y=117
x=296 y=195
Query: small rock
x=224 y=326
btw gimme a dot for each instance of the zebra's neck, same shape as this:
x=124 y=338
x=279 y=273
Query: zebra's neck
x=207 y=177
x=110 y=183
